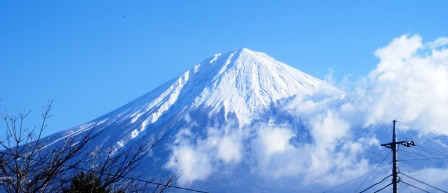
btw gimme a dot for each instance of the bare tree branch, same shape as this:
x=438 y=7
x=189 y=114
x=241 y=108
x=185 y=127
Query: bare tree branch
x=28 y=165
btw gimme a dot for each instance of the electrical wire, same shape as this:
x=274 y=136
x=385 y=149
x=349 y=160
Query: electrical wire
x=407 y=124
x=373 y=171
x=349 y=181
x=376 y=184
x=125 y=177
x=383 y=188
x=430 y=150
x=413 y=153
x=429 y=158
x=413 y=186
x=421 y=157
x=340 y=185
x=407 y=187
x=424 y=183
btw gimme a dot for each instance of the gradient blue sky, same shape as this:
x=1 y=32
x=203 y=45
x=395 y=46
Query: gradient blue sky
x=92 y=57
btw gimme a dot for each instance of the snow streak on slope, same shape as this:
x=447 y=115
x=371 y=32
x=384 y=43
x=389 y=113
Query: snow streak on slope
x=240 y=82
x=236 y=84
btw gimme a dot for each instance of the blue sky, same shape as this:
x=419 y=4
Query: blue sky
x=92 y=57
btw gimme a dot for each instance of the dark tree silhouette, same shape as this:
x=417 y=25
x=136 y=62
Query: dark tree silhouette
x=83 y=182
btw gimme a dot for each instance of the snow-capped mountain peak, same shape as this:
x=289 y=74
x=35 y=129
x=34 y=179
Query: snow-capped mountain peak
x=243 y=81
x=236 y=84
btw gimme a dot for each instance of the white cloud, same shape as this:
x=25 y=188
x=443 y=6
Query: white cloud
x=409 y=84
x=228 y=145
x=190 y=163
x=439 y=42
x=399 y=49
x=275 y=155
x=327 y=128
x=274 y=140
x=197 y=158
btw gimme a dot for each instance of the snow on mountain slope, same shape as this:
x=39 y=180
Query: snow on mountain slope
x=224 y=112
x=238 y=83
x=242 y=82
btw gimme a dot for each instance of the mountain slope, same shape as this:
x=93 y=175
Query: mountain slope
x=237 y=84
x=227 y=113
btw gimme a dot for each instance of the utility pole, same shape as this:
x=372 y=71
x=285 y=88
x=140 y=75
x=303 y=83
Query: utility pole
x=393 y=145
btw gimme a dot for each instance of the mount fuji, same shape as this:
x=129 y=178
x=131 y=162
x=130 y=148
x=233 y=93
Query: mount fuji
x=240 y=122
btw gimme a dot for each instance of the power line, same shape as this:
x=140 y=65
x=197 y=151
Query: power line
x=112 y=175
x=430 y=150
x=428 y=158
x=384 y=187
x=413 y=153
x=420 y=146
x=340 y=185
x=424 y=183
x=372 y=171
x=407 y=187
x=375 y=184
x=413 y=186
